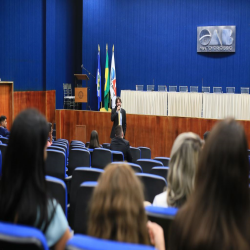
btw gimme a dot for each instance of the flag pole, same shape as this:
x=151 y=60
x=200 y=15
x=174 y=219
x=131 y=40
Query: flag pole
x=110 y=101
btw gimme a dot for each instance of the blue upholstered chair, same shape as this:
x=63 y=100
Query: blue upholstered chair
x=137 y=168
x=136 y=153
x=117 y=155
x=153 y=184
x=83 y=242
x=80 y=175
x=161 y=171
x=162 y=216
x=78 y=158
x=83 y=197
x=164 y=160
x=101 y=157
x=145 y=152
x=13 y=236
x=56 y=164
x=148 y=164
x=58 y=190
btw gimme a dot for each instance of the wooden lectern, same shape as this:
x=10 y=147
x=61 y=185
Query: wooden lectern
x=81 y=94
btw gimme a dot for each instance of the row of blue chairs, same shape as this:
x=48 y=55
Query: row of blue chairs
x=83 y=181
x=14 y=236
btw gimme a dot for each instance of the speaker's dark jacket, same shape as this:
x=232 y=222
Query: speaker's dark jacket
x=114 y=119
x=120 y=144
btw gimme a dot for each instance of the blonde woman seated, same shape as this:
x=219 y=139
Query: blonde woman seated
x=117 y=211
x=217 y=214
x=94 y=140
x=182 y=166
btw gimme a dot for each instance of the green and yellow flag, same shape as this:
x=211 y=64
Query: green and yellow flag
x=106 y=87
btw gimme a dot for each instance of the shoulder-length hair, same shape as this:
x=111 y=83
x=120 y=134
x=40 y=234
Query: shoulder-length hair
x=182 y=167
x=22 y=187
x=217 y=215
x=116 y=208
x=94 y=140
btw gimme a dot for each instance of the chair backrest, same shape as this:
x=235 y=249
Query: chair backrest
x=0 y=163
x=63 y=145
x=57 y=148
x=83 y=242
x=55 y=164
x=58 y=190
x=161 y=171
x=78 y=158
x=147 y=164
x=136 y=153
x=4 y=140
x=153 y=184
x=13 y=236
x=106 y=145
x=137 y=168
x=101 y=157
x=164 y=160
x=83 y=197
x=162 y=216
x=117 y=155
x=145 y=152
x=80 y=175
x=3 y=148
x=63 y=140
x=76 y=142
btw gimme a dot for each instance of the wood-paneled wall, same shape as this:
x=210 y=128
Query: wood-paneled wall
x=44 y=101
x=156 y=132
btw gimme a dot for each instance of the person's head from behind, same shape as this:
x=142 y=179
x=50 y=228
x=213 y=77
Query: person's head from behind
x=183 y=163
x=23 y=181
x=3 y=121
x=205 y=135
x=94 y=140
x=224 y=168
x=50 y=128
x=116 y=208
x=119 y=131
x=217 y=214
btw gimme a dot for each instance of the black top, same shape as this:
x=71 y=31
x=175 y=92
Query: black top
x=120 y=144
x=114 y=119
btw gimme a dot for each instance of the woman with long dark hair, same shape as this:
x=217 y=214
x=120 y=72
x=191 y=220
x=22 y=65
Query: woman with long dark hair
x=94 y=140
x=217 y=215
x=23 y=196
x=117 y=211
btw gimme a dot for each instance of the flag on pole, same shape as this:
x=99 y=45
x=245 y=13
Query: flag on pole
x=113 y=79
x=106 y=87
x=98 y=79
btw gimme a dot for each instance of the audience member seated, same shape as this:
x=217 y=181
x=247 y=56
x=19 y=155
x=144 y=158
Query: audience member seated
x=217 y=215
x=94 y=140
x=3 y=126
x=50 y=138
x=206 y=134
x=120 y=144
x=23 y=195
x=182 y=166
x=117 y=211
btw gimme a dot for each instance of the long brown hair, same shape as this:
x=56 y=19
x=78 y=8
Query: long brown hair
x=116 y=208
x=217 y=215
x=94 y=140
